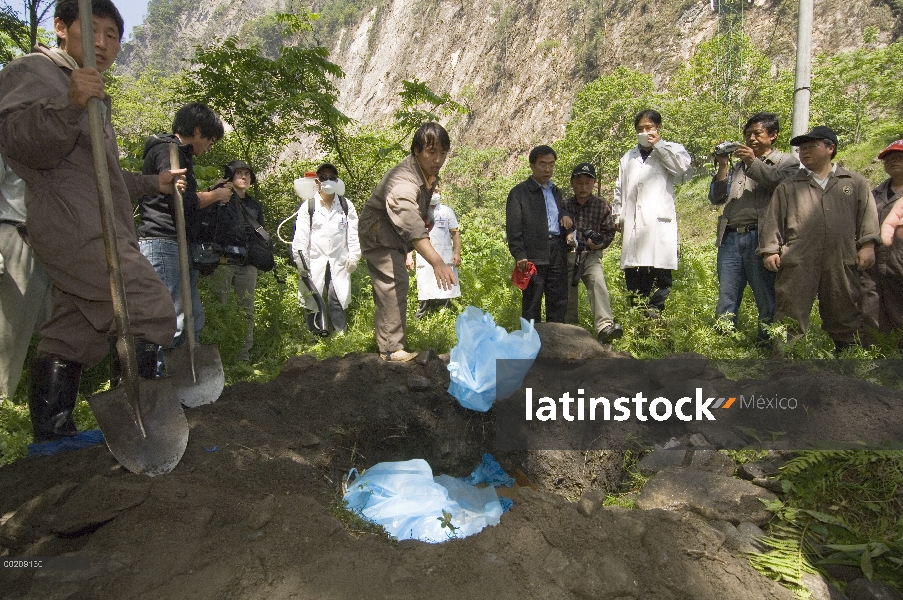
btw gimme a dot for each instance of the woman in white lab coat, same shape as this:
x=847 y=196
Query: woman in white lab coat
x=327 y=237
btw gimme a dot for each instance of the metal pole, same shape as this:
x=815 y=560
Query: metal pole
x=803 y=78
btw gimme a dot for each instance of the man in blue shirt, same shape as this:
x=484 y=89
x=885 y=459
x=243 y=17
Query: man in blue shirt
x=534 y=219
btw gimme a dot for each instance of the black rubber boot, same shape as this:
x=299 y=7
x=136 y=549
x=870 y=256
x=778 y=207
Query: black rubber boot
x=146 y=355
x=54 y=390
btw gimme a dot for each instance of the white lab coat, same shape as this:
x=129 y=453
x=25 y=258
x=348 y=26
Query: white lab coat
x=440 y=238
x=644 y=205
x=332 y=241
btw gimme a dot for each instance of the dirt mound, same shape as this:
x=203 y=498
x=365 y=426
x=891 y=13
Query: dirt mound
x=249 y=512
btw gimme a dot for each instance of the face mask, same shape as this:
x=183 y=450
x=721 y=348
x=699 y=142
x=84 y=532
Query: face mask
x=434 y=201
x=643 y=139
x=333 y=187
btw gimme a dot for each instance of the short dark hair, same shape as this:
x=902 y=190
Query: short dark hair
x=651 y=114
x=67 y=12
x=197 y=115
x=830 y=143
x=430 y=135
x=768 y=120
x=543 y=150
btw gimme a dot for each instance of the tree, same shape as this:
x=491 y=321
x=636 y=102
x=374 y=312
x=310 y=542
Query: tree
x=601 y=125
x=365 y=154
x=13 y=34
x=37 y=11
x=267 y=101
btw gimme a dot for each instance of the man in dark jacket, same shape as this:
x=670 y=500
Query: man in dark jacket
x=195 y=128
x=534 y=217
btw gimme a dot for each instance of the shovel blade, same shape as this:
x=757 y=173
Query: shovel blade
x=208 y=381
x=160 y=448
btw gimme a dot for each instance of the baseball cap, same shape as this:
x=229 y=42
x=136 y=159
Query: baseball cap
x=894 y=147
x=584 y=169
x=816 y=133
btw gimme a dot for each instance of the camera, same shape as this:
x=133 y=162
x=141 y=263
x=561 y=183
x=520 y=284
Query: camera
x=725 y=148
x=593 y=236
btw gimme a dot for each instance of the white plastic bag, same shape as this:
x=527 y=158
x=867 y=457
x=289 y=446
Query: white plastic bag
x=472 y=363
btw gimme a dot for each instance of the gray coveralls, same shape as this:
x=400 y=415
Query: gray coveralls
x=818 y=233
x=46 y=141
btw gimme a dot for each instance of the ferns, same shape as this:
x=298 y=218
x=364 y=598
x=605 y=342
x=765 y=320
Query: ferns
x=843 y=507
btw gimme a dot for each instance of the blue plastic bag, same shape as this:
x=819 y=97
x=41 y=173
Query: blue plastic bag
x=409 y=503
x=472 y=363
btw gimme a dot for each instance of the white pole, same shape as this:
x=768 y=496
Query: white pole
x=803 y=78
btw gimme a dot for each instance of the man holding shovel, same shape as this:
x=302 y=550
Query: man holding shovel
x=44 y=137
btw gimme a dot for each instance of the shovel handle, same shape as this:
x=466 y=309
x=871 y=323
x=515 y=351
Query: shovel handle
x=184 y=273
x=125 y=343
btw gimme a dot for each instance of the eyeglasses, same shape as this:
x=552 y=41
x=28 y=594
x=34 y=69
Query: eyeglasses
x=330 y=178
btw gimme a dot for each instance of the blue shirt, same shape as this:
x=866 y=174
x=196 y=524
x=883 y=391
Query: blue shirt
x=551 y=207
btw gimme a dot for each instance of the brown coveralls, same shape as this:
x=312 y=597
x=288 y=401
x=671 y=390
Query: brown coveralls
x=46 y=141
x=397 y=213
x=818 y=233
x=882 y=284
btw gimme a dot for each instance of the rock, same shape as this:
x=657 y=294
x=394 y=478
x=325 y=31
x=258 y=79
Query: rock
x=712 y=460
x=425 y=357
x=725 y=439
x=306 y=440
x=590 y=501
x=820 y=589
x=863 y=589
x=97 y=502
x=757 y=469
x=568 y=342
x=27 y=521
x=657 y=460
x=752 y=535
x=419 y=383
x=261 y=512
x=769 y=483
x=697 y=440
x=733 y=541
x=711 y=495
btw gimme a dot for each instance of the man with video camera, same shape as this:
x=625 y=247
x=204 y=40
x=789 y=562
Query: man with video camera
x=594 y=229
x=745 y=190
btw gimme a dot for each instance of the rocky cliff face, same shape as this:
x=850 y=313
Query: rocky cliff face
x=517 y=64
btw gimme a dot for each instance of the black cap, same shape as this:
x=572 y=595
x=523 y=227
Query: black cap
x=584 y=169
x=325 y=166
x=230 y=169
x=816 y=133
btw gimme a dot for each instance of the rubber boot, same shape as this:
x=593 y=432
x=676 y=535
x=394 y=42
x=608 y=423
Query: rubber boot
x=54 y=390
x=146 y=355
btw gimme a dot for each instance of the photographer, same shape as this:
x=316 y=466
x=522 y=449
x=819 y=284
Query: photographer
x=745 y=191
x=594 y=229
x=233 y=232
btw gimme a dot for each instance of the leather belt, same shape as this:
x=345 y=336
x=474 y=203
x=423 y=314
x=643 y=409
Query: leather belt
x=742 y=229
